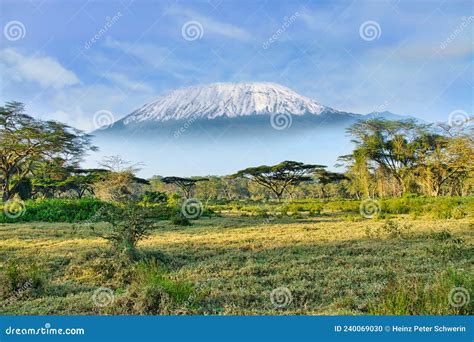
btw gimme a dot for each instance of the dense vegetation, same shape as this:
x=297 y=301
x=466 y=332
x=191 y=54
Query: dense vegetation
x=390 y=235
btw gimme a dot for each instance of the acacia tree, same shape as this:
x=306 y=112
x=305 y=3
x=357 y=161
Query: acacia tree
x=185 y=184
x=325 y=177
x=26 y=143
x=447 y=166
x=278 y=178
x=119 y=182
x=393 y=146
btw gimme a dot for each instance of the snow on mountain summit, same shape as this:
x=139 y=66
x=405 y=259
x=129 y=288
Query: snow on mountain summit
x=226 y=99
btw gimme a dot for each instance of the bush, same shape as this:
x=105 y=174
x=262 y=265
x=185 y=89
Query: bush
x=180 y=220
x=153 y=291
x=129 y=225
x=22 y=281
x=160 y=212
x=154 y=197
x=442 y=296
x=395 y=229
x=57 y=210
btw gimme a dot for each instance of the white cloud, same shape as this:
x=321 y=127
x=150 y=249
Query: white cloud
x=45 y=71
x=126 y=83
x=213 y=26
x=148 y=53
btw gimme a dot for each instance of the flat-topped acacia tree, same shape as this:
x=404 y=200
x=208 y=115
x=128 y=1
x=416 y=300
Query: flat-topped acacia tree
x=185 y=184
x=278 y=178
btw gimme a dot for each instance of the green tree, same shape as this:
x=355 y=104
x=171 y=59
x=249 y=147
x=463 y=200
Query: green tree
x=278 y=178
x=185 y=184
x=393 y=146
x=325 y=178
x=26 y=142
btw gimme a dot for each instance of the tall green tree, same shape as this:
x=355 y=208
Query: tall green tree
x=278 y=178
x=185 y=184
x=325 y=177
x=393 y=146
x=26 y=142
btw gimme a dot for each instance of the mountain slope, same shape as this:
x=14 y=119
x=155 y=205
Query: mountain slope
x=226 y=100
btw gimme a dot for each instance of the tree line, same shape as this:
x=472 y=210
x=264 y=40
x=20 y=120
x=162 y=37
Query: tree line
x=41 y=159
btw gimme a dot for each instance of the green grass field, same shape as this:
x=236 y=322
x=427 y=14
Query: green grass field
x=330 y=264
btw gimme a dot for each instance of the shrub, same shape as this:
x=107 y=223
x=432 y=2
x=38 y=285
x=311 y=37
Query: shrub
x=22 y=280
x=153 y=291
x=154 y=197
x=57 y=210
x=420 y=297
x=396 y=229
x=458 y=213
x=180 y=220
x=441 y=236
x=160 y=212
x=129 y=225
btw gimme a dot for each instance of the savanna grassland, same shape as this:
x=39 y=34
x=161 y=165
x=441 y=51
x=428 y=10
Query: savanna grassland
x=316 y=262
x=391 y=234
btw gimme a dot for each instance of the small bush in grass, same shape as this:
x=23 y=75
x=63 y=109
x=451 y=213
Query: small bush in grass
x=441 y=236
x=208 y=212
x=129 y=225
x=422 y=297
x=449 y=247
x=180 y=220
x=458 y=213
x=153 y=291
x=19 y=280
x=396 y=229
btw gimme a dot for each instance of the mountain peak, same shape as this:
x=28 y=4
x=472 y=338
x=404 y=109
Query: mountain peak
x=226 y=100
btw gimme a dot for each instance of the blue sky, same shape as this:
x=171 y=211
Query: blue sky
x=418 y=62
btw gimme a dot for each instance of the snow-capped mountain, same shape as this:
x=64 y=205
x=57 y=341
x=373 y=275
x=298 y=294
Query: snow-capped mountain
x=226 y=100
x=223 y=127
